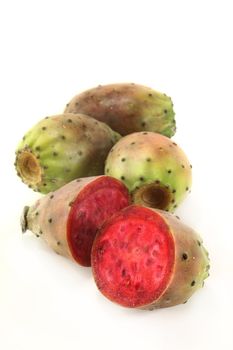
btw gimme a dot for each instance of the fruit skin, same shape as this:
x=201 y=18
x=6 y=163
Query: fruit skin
x=153 y=167
x=61 y=148
x=191 y=259
x=48 y=217
x=127 y=108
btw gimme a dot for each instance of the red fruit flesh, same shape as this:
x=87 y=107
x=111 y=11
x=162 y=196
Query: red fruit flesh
x=95 y=203
x=133 y=257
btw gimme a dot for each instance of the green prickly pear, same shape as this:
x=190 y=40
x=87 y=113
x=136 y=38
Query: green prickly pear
x=146 y=258
x=153 y=167
x=69 y=218
x=61 y=148
x=127 y=108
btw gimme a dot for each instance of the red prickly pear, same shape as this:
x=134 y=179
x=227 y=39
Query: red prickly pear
x=146 y=258
x=127 y=108
x=69 y=218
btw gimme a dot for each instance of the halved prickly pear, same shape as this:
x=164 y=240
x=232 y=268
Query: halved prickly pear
x=127 y=108
x=153 y=167
x=146 y=258
x=61 y=148
x=69 y=218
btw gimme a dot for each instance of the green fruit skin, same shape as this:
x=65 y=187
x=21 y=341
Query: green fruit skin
x=144 y=158
x=127 y=108
x=66 y=146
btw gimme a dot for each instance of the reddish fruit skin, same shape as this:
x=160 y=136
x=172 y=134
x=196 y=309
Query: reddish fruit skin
x=127 y=108
x=189 y=266
x=49 y=217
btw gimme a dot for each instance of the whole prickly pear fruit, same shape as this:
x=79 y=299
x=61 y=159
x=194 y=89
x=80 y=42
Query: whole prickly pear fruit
x=153 y=167
x=61 y=148
x=146 y=258
x=127 y=108
x=69 y=218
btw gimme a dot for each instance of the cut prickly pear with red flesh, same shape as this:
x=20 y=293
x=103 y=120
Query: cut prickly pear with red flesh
x=146 y=258
x=91 y=208
x=68 y=219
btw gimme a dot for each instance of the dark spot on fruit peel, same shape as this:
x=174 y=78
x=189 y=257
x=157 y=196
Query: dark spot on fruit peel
x=122 y=178
x=141 y=178
x=165 y=111
x=44 y=128
x=69 y=120
x=50 y=220
x=169 y=171
x=143 y=124
x=150 y=95
x=58 y=243
x=51 y=197
x=37 y=148
x=123 y=159
x=37 y=213
x=193 y=283
x=184 y=256
x=173 y=191
x=55 y=154
x=186 y=188
x=199 y=243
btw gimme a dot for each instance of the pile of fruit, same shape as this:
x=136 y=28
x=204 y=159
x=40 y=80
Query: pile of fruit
x=113 y=178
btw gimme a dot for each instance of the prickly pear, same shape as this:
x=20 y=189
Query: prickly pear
x=127 y=108
x=61 y=148
x=69 y=218
x=153 y=167
x=146 y=258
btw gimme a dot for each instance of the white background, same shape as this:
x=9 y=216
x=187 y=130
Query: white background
x=51 y=50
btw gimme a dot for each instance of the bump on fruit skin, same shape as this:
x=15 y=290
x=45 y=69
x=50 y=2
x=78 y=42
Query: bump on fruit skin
x=61 y=148
x=153 y=167
x=127 y=108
